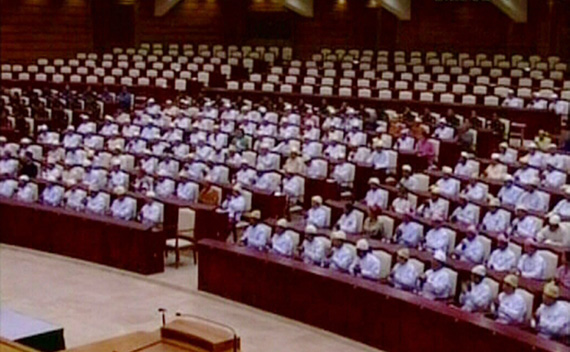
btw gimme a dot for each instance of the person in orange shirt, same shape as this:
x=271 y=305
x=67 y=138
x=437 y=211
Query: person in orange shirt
x=208 y=195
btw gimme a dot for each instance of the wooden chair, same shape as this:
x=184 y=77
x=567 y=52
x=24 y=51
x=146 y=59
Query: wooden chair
x=184 y=239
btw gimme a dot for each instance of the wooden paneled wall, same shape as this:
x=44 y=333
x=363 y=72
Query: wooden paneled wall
x=44 y=28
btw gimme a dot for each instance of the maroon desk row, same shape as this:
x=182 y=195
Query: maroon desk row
x=121 y=244
x=372 y=313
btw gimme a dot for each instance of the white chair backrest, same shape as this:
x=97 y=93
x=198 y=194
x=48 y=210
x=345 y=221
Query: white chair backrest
x=551 y=260
x=529 y=300
x=385 y=263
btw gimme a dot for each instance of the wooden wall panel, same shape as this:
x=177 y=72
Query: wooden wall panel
x=44 y=28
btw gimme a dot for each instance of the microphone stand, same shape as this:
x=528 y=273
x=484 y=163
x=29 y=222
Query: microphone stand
x=179 y=314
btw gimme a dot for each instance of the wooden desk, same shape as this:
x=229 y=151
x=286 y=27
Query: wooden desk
x=122 y=244
x=369 y=312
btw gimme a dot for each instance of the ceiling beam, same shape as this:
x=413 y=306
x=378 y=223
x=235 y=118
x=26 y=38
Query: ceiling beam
x=400 y=8
x=302 y=7
x=161 y=7
x=517 y=10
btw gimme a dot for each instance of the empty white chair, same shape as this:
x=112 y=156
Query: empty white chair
x=491 y=100
x=469 y=99
x=405 y=95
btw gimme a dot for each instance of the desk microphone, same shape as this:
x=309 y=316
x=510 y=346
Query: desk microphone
x=162 y=311
x=178 y=314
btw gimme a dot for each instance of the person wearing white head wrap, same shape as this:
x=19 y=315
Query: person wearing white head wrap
x=527 y=175
x=8 y=187
x=266 y=160
x=555 y=232
x=96 y=176
x=471 y=248
x=466 y=213
x=537 y=102
x=436 y=207
x=53 y=193
x=562 y=208
x=8 y=165
x=552 y=177
x=109 y=128
x=534 y=157
x=376 y=197
x=317 y=215
x=148 y=163
x=75 y=197
x=257 y=234
x=123 y=207
x=464 y=166
x=311 y=132
x=553 y=315
x=295 y=163
x=502 y=259
x=512 y=101
x=168 y=167
x=437 y=280
x=235 y=203
x=510 y=193
x=71 y=139
x=475 y=191
x=292 y=186
x=525 y=225
x=335 y=151
x=27 y=191
x=496 y=219
x=379 y=158
x=404 y=275
x=151 y=212
x=97 y=202
x=283 y=240
x=314 y=248
x=531 y=264
x=402 y=204
x=496 y=170
x=348 y=221
x=117 y=177
x=164 y=186
x=448 y=185
x=343 y=254
x=405 y=141
x=267 y=129
x=409 y=233
x=366 y=263
x=533 y=199
x=438 y=237
x=86 y=126
x=476 y=296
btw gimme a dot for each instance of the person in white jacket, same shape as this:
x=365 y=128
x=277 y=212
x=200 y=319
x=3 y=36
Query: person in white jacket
x=476 y=296
x=151 y=212
x=123 y=207
x=531 y=264
x=404 y=275
x=348 y=221
x=376 y=197
x=282 y=241
x=437 y=280
x=511 y=306
x=317 y=215
x=343 y=254
x=314 y=248
x=366 y=264
x=553 y=315
x=257 y=234
x=502 y=259
x=235 y=204
x=471 y=248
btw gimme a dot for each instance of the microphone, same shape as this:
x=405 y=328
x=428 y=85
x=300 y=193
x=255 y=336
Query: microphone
x=232 y=330
x=163 y=311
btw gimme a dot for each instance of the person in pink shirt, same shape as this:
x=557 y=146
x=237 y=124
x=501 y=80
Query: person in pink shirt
x=425 y=148
x=563 y=272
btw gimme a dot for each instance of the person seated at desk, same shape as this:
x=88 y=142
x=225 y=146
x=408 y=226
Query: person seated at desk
x=495 y=170
x=448 y=185
x=409 y=233
x=8 y=165
x=502 y=259
x=524 y=225
x=71 y=139
x=265 y=160
x=267 y=182
x=25 y=191
x=507 y=155
x=563 y=272
x=217 y=174
x=355 y=137
x=295 y=164
x=168 y=166
x=292 y=186
x=196 y=170
x=96 y=201
x=317 y=170
x=438 y=237
x=342 y=254
x=109 y=127
x=476 y=296
x=475 y=191
x=543 y=140
x=555 y=233
x=203 y=151
x=164 y=186
x=180 y=150
x=123 y=207
x=552 y=318
x=470 y=249
x=117 y=177
x=537 y=103
x=143 y=182
x=375 y=196
x=75 y=197
x=86 y=126
x=527 y=175
x=335 y=151
x=348 y=221
x=96 y=176
x=266 y=129
x=404 y=275
x=443 y=131
x=465 y=213
x=379 y=158
x=510 y=193
x=257 y=234
x=209 y=195
x=534 y=157
x=464 y=167
x=29 y=167
x=436 y=282
x=8 y=187
x=408 y=181
x=405 y=141
x=52 y=169
x=555 y=158
x=151 y=211
x=511 y=101
x=313 y=247
x=235 y=204
x=511 y=306
x=372 y=226
x=342 y=173
x=552 y=177
x=75 y=156
x=185 y=189
x=496 y=219
x=311 y=132
x=435 y=207
x=402 y=204
x=148 y=162
x=531 y=264
x=53 y=193
x=282 y=241
x=562 y=208
x=366 y=264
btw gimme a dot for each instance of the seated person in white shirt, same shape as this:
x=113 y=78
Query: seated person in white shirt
x=25 y=191
x=295 y=163
x=511 y=101
x=562 y=208
x=471 y=248
x=8 y=164
x=552 y=177
x=435 y=207
x=534 y=157
x=507 y=155
x=531 y=264
x=233 y=158
x=257 y=234
x=355 y=137
x=71 y=139
x=317 y=169
x=510 y=193
x=502 y=259
x=465 y=213
x=405 y=142
x=379 y=158
x=402 y=204
x=342 y=173
x=117 y=177
x=282 y=241
x=267 y=182
x=524 y=225
x=151 y=212
x=527 y=175
x=475 y=191
x=537 y=103
x=348 y=221
x=292 y=186
x=409 y=233
x=246 y=175
x=511 y=305
x=196 y=170
x=314 y=248
x=123 y=207
x=366 y=264
x=335 y=151
x=404 y=274
x=52 y=193
x=143 y=182
x=265 y=160
x=148 y=162
x=533 y=199
x=164 y=186
x=438 y=237
x=443 y=131
x=553 y=315
x=376 y=197
x=464 y=167
x=86 y=126
x=75 y=197
x=436 y=282
x=496 y=219
x=342 y=254
x=496 y=170
x=168 y=166
x=312 y=149
x=187 y=190
x=96 y=201
x=448 y=185
x=317 y=215
x=408 y=181
x=311 y=132
x=235 y=204
x=203 y=151
x=555 y=233
x=476 y=295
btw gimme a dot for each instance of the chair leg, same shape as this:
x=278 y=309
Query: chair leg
x=194 y=254
x=177 y=260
